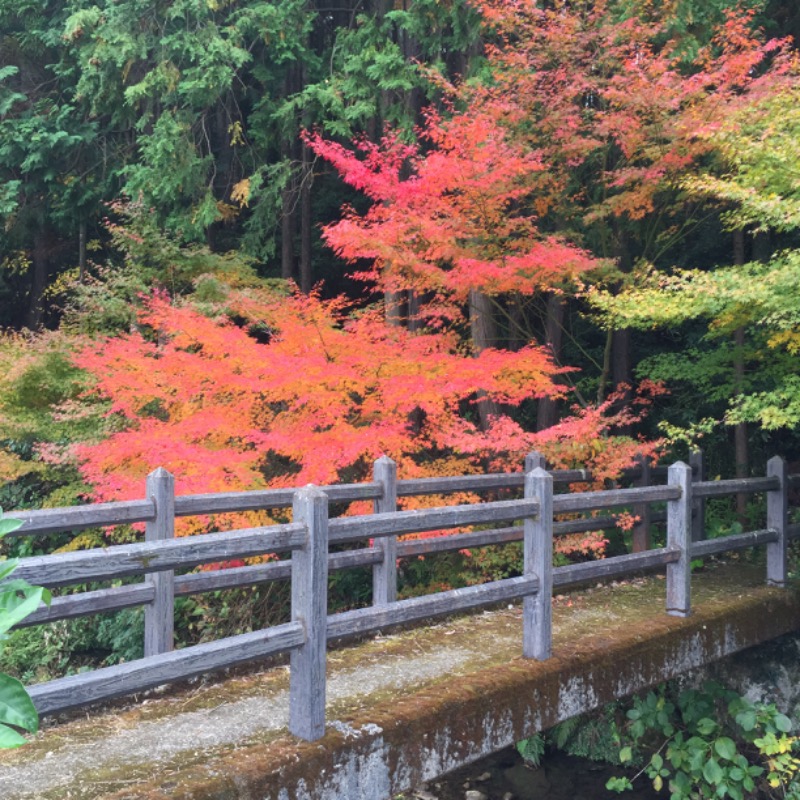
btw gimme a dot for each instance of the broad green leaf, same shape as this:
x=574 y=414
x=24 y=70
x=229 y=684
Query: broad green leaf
x=15 y=606
x=8 y=524
x=706 y=726
x=9 y=738
x=656 y=761
x=16 y=707
x=725 y=748
x=783 y=723
x=747 y=719
x=7 y=567
x=712 y=772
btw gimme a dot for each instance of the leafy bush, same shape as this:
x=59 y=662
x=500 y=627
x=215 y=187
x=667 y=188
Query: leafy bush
x=709 y=743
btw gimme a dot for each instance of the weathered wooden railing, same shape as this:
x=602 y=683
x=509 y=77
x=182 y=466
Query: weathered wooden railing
x=308 y=538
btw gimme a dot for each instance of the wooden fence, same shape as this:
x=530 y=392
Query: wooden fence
x=308 y=538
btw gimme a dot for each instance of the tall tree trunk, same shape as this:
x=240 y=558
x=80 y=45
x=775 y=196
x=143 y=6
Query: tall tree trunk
x=621 y=371
x=553 y=336
x=617 y=354
x=517 y=336
x=82 y=250
x=288 y=198
x=413 y=305
x=741 y=449
x=394 y=308
x=289 y=195
x=606 y=370
x=306 y=176
x=484 y=334
x=40 y=271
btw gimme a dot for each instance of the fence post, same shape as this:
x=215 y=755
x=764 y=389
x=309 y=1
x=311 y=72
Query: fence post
x=777 y=511
x=533 y=460
x=159 y=616
x=641 y=529
x=310 y=608
x=537 y=610
x=384 y=574
x=699 y=503
x=679 y=522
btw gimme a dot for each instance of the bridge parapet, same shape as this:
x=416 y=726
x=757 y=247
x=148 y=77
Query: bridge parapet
x=308 y=538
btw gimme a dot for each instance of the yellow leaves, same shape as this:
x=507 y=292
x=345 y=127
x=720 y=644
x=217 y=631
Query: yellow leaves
x=83 y=541
x=16 y=263
x=240 y=193
x=236 y=133
x=787 y=339
x=13 y=467
x=62 y=284
x=227 y=212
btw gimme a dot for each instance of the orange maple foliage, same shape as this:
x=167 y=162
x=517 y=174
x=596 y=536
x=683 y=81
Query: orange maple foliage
x=451 y=214
x=585 y=116
x=615 y=102
x=318 y=403
x=328 y=393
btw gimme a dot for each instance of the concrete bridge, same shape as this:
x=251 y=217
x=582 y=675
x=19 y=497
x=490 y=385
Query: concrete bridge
x=406 y=707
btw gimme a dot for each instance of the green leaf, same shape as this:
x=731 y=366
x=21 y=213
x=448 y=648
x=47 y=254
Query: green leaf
x=8 y=524
x=16 y=707
x=783 y=723
x=618 y=784
x=747 y=719
x=18 y=603
x=706 y=726
x=625 y=755
x=712 y=772
x=656 y=761
x=736 y=774
x=10 y=738
x=725 y=748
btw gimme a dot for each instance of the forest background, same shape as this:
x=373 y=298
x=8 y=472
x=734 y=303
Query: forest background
x=264 y=243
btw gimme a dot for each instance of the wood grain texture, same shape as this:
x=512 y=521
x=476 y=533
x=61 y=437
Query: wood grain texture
x=50 y=520
x=366 y=620
x=63 y=569
x=537 y=562
x=85 y=688
x=679 y=532
x=777 y=520
x=198 y=582
x=629 y=564
x=735 y=486
x=612 y=498
x=187 y=505
x=310 y=610
x=159 y=615
x=87 y=603
x=534 y=460
x=353 y=529
x=736 y=541
x=384 y=574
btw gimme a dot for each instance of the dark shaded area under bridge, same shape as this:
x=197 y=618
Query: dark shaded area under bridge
x=404 y=707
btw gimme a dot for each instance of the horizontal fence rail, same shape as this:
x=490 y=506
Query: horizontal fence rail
x=374 y=539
